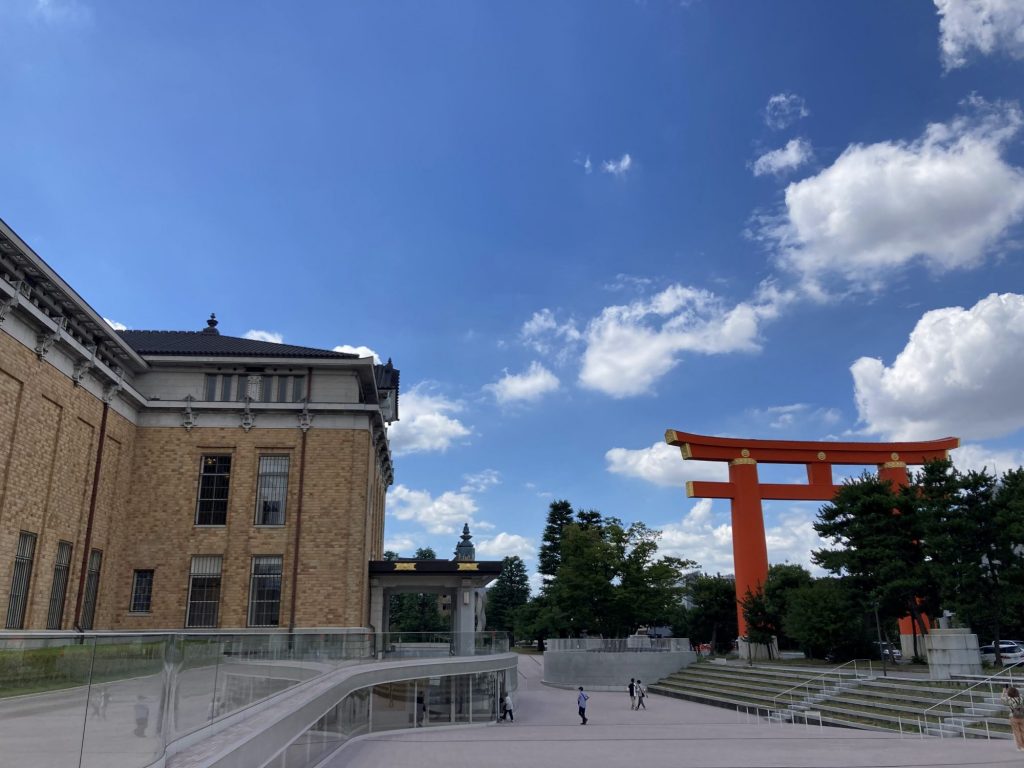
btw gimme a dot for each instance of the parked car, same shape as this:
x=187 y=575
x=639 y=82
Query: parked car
x=889 y=652
x=1010 y=651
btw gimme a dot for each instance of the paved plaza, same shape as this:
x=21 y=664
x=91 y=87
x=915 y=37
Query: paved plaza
x=670 y=732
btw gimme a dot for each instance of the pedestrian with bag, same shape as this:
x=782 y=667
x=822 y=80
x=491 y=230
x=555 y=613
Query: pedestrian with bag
x=581 y=702
x=641 y=694
x=1011 y=698
x=632 y=693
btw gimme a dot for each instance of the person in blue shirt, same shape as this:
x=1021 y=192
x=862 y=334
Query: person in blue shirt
x=581 y=702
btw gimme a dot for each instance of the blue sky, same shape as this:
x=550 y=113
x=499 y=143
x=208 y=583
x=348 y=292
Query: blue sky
x=571 y=225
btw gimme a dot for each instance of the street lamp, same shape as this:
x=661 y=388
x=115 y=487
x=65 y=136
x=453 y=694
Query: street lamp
x=881 y=648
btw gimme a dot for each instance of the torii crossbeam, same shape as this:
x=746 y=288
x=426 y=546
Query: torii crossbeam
x=750 y=552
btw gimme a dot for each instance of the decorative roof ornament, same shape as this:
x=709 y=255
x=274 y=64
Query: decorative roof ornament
x=464 y=550
x=211 y=325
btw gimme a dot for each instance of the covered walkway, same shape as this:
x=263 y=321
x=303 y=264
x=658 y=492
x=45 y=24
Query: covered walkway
x=670 y=732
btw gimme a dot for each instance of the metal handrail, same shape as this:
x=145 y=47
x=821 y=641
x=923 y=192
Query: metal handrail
x=807 y=683
x=948 y=701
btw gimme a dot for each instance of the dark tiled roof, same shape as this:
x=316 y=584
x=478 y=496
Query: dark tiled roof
x=204 y=344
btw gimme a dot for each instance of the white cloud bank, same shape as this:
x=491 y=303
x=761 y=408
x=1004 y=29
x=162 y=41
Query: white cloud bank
x=115 y=325
x=618 y=167
x=988 y=26
x=796 y=153
x=441 y=514
x=506 y=545
x=428 y=423
x=977 y=457
x=662 y=464
x=629 y=347
x=784 y=109
x=705 y=535
x=361 y=351
x=959 y=374
x=527 y=387
x=945 y=199
x=272 y=336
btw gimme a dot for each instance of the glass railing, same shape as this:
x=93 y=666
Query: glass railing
x=117 y=700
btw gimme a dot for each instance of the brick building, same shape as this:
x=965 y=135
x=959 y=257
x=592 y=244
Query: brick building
x=168 y=479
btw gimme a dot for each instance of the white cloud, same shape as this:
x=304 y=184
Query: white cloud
x=588 y=167
x=272 y=336
x=959 y=374
x=442 y=514
x=545 y=334
x=786 y=416
x=361 y=351
x=481 y=481
x=405 y=546
x=115 y=325
x=784 y=109
x=618 y=167
x=528 y=387
x=702 y=536
x=662 y=464
x=790 y=157
x=945 y=199
x=988 y=26
x=629 y=347
x=62 y=11
x=506 y=545
x=427 y=423
x=705 y=535
x=974 y=456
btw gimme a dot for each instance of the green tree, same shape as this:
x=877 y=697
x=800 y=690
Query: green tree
x=974 y=536
x=783 y=580
x=549 y=558
x=761 y=626
x=649 y=590
x=510 y=592
x=826 y=617
x=876 y=533
x=712 y=619
x=583 y=589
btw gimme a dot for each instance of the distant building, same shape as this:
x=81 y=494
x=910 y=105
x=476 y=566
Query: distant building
x=169 y=479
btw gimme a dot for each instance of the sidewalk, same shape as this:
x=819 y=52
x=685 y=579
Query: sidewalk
x=671 y=732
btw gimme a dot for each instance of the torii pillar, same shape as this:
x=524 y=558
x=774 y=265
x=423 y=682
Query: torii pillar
x=749 y=549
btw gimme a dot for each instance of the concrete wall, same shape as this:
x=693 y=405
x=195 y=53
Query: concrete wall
x=952 y=652
x=611 y=671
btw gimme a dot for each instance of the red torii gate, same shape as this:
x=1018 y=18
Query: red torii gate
x=750 y=552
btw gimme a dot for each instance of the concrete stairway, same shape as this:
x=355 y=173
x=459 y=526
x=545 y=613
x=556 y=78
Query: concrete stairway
x=842 y=699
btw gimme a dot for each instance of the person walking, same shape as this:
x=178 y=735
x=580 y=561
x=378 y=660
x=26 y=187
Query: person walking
x=632 y=693
x=641 y=694
x=581 y=702
x=509 y=709
x=1011 y=698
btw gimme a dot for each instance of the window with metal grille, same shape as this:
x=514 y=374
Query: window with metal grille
x=204 y=591
x=261 y=387
x=272 y=490
x=214 y=477
x=21 y=580
x=265 y=591
x=142 y=591
x=92 y=588
x=59 y=590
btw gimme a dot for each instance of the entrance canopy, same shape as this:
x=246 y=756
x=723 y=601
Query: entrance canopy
x=462 y=580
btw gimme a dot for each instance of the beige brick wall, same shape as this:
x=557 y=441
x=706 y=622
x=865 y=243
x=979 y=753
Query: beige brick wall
x=145 y=510
x=49 y=434
x=331 y=583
